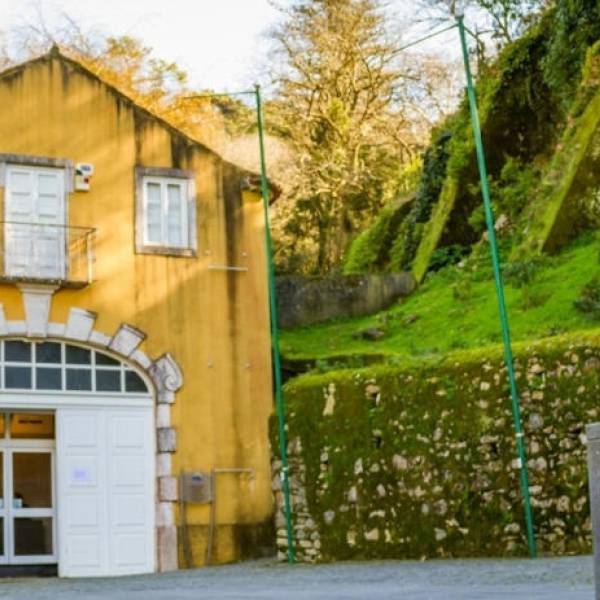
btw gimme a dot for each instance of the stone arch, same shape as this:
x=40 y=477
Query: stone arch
x=164 y=373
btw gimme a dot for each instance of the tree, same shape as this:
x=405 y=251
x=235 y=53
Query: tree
x=509 y=18
x=502 y=20
x=351 y=107
x=125 y=62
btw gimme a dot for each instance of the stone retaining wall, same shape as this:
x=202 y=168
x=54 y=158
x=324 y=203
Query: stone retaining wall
x=305 y=301
x=414 y=463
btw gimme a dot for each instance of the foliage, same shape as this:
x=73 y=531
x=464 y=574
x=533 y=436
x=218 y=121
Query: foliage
x=588 y=302
x=521 y=273
x=566 y=203
x=590 y=80
x=432 y=179
x=501 y=20
x=369 y=252
x=575 y=28
x=335 y=108
x=526 y=102
x=446 y=256
x=351 y=108
x=509 y=18
x=463 y=289
x=511 y=193
x=515 y=187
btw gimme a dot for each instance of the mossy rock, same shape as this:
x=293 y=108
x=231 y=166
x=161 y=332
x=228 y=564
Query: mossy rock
x=370 y=251
x=567 y=203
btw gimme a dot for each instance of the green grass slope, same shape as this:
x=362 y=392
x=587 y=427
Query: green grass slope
x=456 y=308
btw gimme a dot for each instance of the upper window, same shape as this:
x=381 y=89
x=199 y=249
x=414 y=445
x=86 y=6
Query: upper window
x=165 y=214
x=35 y=236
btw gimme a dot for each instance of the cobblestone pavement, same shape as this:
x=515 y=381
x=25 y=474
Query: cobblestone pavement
x=547 y=579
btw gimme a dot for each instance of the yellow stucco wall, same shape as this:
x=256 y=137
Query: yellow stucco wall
x=214 y=323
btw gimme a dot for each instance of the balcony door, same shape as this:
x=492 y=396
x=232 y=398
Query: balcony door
x=34 y=232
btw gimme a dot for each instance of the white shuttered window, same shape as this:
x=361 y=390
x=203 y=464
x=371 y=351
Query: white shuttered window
x=166 y=216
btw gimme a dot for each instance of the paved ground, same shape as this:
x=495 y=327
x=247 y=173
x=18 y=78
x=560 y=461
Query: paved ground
x=547 y=579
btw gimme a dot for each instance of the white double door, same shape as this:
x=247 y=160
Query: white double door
x=34 y=232
x=106 y=495
x=85 y=499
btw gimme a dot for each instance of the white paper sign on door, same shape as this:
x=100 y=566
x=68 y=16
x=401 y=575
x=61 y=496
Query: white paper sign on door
x=80 y=475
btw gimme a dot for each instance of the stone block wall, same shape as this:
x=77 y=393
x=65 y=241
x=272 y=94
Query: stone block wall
x=418 y=463
x=308 y=300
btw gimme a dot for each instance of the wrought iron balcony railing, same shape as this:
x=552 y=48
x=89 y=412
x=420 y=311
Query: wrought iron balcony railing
x=40 y=253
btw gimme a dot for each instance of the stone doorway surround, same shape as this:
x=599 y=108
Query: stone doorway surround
x=163 y=372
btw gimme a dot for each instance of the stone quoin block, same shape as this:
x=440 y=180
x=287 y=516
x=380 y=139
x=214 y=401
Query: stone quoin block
x=166 y=540
x=167 y=439
x=37 y=300
x=99 y=339
x=80 y=324
x=163 y=464
x=163 y=415
x=164 y=514
x=167 y=489
x=126 y=340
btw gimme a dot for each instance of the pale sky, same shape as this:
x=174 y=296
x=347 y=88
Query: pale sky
x=220 y=43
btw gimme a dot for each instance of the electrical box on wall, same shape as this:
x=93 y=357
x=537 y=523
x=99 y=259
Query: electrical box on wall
x=196 y=487
x=83 y=176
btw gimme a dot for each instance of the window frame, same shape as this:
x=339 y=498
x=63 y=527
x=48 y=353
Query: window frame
x=164 y=177
x=33 y=162
x=163 y=184
x=65 y=365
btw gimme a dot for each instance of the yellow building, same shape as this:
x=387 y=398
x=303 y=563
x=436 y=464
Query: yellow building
x=134 y=335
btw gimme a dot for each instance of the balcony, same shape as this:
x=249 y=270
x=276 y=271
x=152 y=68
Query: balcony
x=44 y=253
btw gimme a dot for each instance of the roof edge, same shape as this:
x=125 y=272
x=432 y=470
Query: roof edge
x=55 y=53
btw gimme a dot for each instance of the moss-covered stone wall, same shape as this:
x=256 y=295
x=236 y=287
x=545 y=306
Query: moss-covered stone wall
x=568 y=201
x=411 y=463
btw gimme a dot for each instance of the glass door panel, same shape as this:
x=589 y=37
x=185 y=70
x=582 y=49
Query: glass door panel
x=32 y=480
x=31 y=426
x=31 y=513
x=33 y=536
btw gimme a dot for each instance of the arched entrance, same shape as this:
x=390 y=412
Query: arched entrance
x=77 y=454
x=107 y=404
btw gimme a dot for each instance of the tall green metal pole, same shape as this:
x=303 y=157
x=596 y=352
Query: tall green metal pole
x=508 y=356
x=264 y=188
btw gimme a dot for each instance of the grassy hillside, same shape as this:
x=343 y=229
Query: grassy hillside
x=539 y=107
x=412 y=462
x=456 y=308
